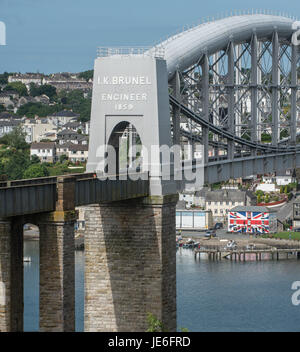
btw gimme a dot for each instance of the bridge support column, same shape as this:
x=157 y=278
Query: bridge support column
x=130 y=264
x=11 y=276
x=57 y=272
x=57 y=261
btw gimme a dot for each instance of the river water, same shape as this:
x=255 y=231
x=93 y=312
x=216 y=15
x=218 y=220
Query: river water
x=211 y=296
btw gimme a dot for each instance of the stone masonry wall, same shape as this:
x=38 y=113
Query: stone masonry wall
x=57 y=274
x=130 y=267
x=11 y=276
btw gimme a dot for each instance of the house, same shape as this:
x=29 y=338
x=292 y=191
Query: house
x=43 y=99
x=71 y=136
x=37 y=129
x=282 y=178
x=192 y=198
x=220 y=202
x=74 y=152
x=46 y=151
x=6 y=116
x=6 y=99
x=286 y=177
x=8 y=126
x=78 y=153
x=62 y=117
x=252 y=219
x=76 y=126
x=67 y=81
x=26 y=78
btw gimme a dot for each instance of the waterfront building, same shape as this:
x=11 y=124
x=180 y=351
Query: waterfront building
x=220 y=202
x=193 y=220
x=252 y=219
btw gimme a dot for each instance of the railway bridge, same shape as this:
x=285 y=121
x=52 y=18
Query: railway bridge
x=218 y=101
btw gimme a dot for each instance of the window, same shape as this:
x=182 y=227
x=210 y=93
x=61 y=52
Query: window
x=216 y=211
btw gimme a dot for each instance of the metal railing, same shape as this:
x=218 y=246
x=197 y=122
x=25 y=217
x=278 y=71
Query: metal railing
x=125 y=51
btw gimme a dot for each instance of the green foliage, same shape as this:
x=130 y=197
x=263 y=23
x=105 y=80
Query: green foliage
x=154 y=324
x=18 y=87
x=36 y=170
x=39 y=109
x=14 y=157
x=2 y=108
x=266 y=138
x=4 y=78
x=87 y=75
x=35 y=159
x=63 y=158
x=15 y=139
x=267 y=198
x=75 y=100
x=259 y=199
x=46 y=89
x=184 y=329
x=259 y=193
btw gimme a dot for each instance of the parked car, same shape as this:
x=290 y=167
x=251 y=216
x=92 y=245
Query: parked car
x=297 y=230
x=210 y=234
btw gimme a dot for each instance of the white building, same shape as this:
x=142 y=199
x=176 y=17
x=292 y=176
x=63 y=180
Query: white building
x=38 y=129
x=44 y=150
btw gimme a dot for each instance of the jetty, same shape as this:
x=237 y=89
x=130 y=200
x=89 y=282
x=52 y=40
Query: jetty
x=244 y=254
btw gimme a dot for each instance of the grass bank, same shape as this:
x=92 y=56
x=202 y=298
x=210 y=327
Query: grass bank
x=285 y=235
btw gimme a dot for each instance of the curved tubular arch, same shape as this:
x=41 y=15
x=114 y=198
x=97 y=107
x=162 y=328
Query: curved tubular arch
x=184 y=50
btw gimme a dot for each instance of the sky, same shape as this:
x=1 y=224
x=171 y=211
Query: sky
x=63 y=35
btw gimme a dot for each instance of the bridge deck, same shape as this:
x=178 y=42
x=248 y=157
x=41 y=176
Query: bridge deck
x=39 y=195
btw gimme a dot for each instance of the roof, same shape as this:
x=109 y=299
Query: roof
x=12 y=123
x=255 y=209
x=184 y=49
x=65 y=113
x=79 y=147
x=6 y=115
x=67 y=132
x=43 y=145
x=72 y=124
x=226 y=195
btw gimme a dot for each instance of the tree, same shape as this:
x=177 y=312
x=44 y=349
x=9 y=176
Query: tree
x=36 y=170
x=4 y=78
x=154 y=325
x=46 y=89
x=35 y=159
x=15 y=139
x=18 y=87
x=63 y=158
x=87 y=75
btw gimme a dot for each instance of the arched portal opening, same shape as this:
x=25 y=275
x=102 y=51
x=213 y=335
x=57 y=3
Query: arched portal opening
x=31 y=258
x=124 y=150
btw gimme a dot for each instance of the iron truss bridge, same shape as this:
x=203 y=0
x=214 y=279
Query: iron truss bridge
x=234 y=88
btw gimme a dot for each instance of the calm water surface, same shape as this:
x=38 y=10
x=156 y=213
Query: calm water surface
x=226 y=296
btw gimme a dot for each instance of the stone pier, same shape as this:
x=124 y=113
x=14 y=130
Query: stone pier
x=11 y=275
x=130 y=267
x=57 y=261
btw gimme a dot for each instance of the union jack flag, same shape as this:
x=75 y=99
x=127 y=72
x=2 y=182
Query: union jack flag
x=248 y=222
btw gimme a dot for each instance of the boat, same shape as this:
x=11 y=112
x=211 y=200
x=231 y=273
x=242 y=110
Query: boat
x=27 y=259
